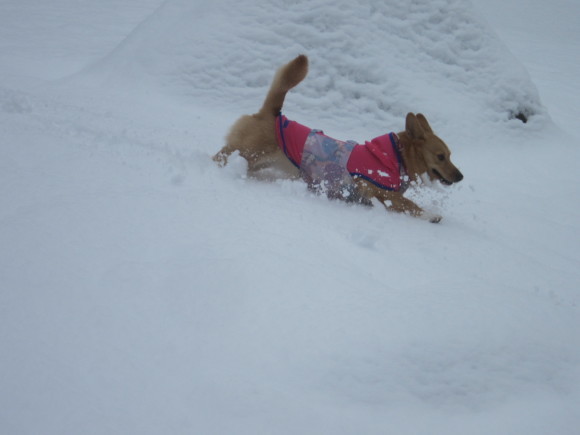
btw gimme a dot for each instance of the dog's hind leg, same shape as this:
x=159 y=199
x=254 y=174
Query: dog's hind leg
x=221 y=157
x=254 y=135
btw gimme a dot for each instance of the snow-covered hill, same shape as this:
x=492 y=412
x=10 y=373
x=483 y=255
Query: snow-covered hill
x=145 y=290
x=376 y=59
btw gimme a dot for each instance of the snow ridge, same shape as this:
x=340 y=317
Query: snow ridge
x=366 y=58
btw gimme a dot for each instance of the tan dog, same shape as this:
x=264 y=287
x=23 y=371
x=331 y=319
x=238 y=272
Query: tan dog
x=420 y=151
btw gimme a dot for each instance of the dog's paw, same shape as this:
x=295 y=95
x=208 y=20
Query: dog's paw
x=431 y=217
x=435 y=219
x=221 y=159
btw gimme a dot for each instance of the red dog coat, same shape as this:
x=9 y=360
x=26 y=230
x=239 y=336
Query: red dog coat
x=329 y=165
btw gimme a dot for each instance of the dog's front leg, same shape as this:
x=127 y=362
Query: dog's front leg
x=395 y=201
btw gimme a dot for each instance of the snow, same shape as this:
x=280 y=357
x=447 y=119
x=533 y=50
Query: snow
x=145 y=290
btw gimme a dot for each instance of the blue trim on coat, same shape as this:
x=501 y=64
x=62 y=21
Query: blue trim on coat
x=284 y=147
x=395 y=143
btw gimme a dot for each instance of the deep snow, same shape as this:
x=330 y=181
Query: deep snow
x=145 y=290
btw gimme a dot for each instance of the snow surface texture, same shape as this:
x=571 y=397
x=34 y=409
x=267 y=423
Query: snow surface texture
x=144 y=290
x=369 y=58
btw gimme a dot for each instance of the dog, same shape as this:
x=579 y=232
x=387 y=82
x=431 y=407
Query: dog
x=381 y=168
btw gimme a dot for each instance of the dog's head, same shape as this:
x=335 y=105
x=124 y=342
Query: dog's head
x=434 y=152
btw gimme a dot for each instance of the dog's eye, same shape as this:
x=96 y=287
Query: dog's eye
x=441 y=157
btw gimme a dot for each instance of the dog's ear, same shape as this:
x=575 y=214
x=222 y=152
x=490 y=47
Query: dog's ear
x=424 y=123
x=413 y=127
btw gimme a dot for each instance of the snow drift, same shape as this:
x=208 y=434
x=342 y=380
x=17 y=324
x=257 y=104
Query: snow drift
x=367 y=59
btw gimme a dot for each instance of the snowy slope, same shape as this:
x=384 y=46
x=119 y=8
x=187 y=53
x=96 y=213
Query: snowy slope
x=376 y=57
x=548 y=52
x=144 y=290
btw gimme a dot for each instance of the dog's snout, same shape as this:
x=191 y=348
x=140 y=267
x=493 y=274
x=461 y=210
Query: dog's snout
x=458 y=176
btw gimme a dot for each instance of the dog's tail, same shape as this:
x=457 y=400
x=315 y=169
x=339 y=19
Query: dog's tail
x=286 y=78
